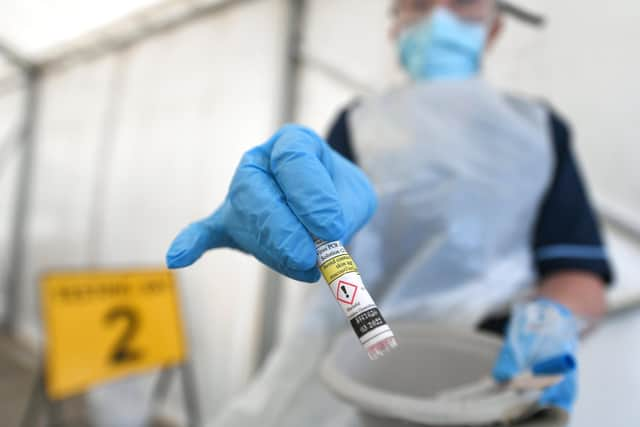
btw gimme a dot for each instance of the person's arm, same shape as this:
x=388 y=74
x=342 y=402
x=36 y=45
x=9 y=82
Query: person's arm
x=574 y=270
x=582 y=293
x=570 y=254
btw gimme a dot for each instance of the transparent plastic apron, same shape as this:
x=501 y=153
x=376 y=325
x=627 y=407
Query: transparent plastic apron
x=460 y=171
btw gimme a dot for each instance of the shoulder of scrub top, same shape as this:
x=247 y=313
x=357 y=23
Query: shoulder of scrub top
x=339 y=137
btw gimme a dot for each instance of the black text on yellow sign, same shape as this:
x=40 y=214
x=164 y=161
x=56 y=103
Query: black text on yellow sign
x=105 y=325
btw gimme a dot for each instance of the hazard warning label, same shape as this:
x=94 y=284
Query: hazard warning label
x=346 y=292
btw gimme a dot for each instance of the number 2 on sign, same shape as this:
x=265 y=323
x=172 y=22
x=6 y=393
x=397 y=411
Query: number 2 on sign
x=122 y=352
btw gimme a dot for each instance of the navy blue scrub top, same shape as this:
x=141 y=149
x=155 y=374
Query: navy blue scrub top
x=567 y=234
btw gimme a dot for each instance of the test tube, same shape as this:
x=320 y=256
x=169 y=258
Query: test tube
x=342 y=276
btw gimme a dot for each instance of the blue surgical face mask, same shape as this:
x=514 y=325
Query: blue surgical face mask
x=442 y=46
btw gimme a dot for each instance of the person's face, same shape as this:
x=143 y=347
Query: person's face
x=407 y=12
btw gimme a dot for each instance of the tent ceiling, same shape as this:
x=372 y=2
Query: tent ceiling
x=36 y=29
x=58 y=33
x=32 y=27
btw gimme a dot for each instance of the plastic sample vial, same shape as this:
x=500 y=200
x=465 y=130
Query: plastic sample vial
x=342 y=276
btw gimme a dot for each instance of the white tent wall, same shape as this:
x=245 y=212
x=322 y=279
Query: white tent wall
x=133 y=146
x=58 y=224
x=582 y=63
x=353 y=37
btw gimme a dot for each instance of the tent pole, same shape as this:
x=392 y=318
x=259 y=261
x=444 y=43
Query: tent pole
x=17 y=246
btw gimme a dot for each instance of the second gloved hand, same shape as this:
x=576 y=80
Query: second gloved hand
x=283 y=190
x=540 y=330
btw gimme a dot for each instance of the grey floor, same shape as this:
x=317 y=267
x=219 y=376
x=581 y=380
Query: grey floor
x=18 y=369
x=16 y=377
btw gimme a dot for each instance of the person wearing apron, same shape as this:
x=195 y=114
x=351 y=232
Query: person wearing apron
x=461 y=205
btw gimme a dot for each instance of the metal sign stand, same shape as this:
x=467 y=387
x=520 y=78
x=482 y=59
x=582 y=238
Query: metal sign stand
x=39 y=398
x=189 y=392
x=52 y=410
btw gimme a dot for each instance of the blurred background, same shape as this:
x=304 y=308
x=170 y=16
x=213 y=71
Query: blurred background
x=122 y=121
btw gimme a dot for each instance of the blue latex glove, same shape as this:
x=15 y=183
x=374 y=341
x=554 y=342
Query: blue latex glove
x=292 y=186
x=538 y=331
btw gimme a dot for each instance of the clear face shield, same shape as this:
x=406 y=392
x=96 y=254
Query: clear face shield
x=406 y=13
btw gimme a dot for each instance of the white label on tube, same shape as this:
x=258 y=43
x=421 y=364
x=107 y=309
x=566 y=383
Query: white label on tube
x=343 y=278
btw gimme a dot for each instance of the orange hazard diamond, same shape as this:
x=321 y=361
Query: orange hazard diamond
x=346 y=292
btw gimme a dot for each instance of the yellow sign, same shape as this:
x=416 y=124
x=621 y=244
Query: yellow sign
x=105 y=325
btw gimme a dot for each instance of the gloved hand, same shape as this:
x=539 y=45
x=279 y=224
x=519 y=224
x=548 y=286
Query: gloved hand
x=539 y=330
x=291 y=187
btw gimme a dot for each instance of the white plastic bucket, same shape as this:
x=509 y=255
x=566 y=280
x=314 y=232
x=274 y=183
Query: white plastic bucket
x=430 y=359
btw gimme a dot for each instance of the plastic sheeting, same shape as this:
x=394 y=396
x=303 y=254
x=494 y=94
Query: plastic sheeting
x=352 y=36
x=62 y=184
x=131 y=148
x=590 y=77
x=610 y=357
